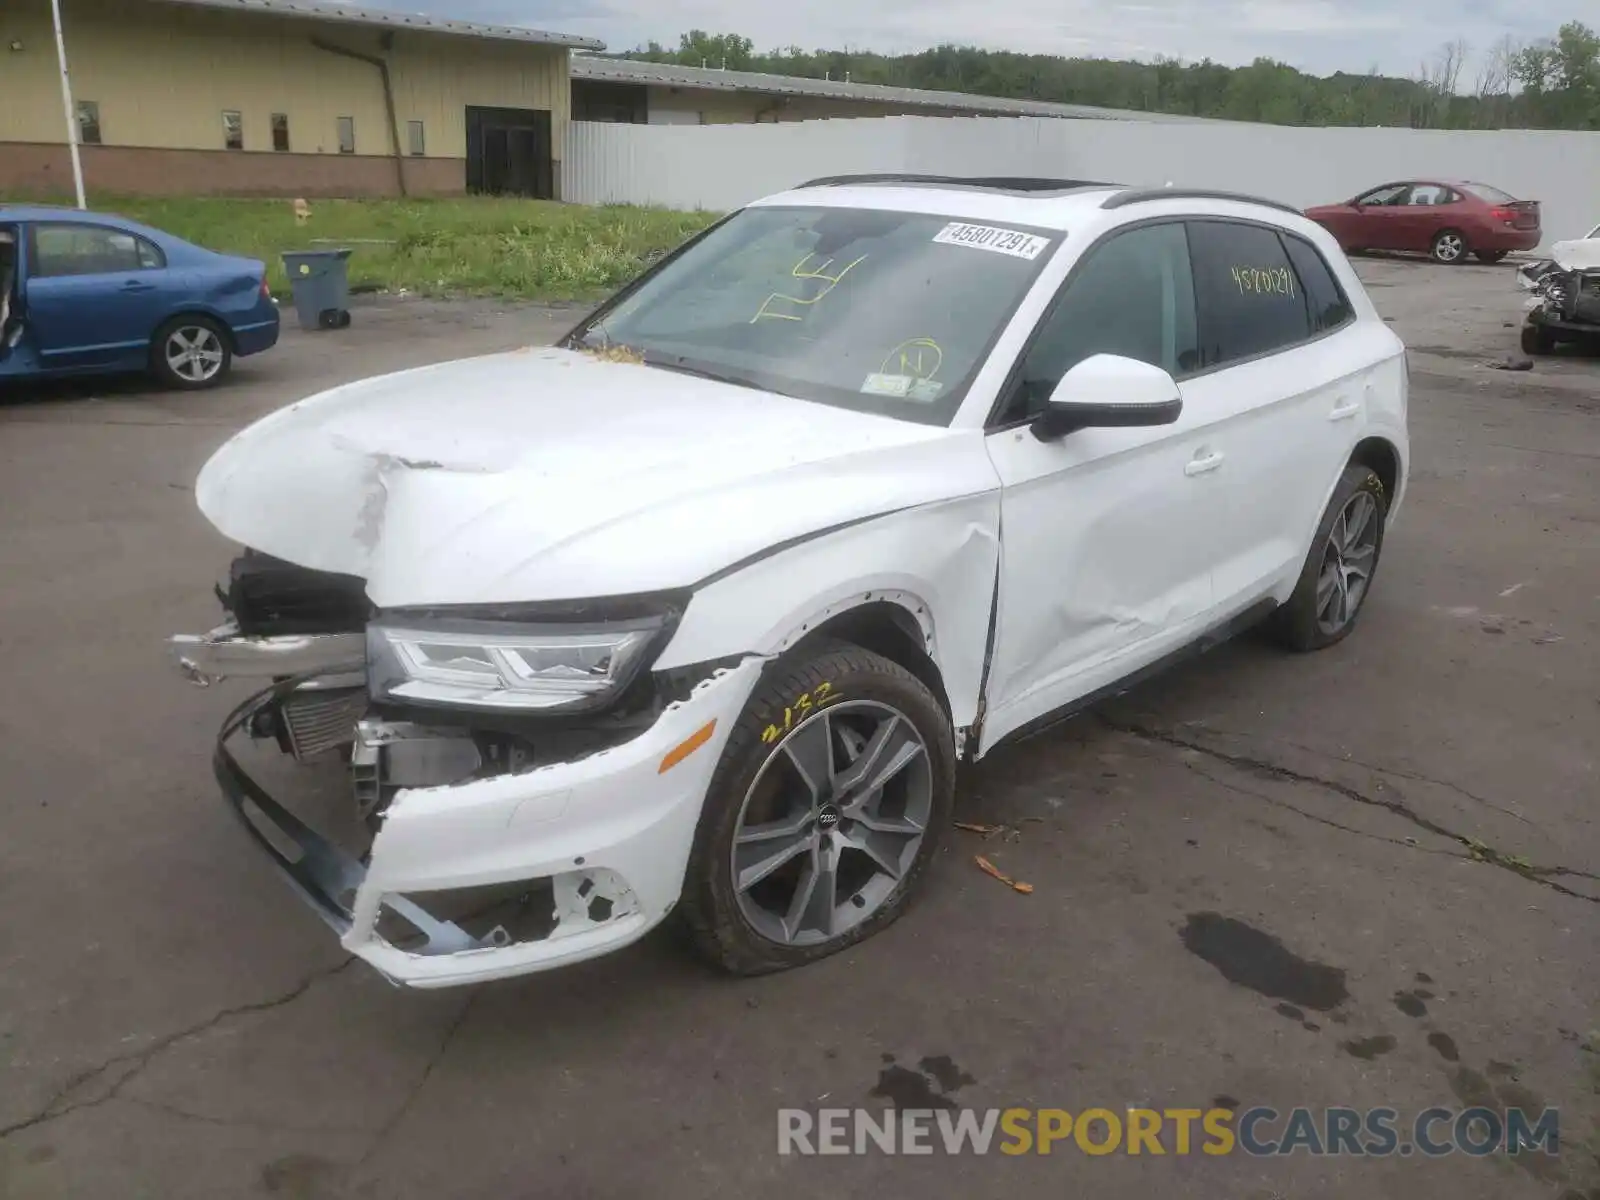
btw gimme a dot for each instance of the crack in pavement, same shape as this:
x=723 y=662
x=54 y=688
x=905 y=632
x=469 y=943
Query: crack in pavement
x=399 y=1114
x=138 y=1060
x=1397 y=772
x=1478 y=852
x=172 y=1110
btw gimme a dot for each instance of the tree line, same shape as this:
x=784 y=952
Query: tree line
x=1552 y=83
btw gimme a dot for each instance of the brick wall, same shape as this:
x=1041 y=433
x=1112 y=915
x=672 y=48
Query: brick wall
x=28 y=168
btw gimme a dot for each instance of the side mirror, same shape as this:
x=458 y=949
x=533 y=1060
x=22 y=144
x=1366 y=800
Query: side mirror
x=1107 y=391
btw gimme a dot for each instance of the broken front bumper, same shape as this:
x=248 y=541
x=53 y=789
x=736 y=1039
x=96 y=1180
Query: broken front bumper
x=598 y=847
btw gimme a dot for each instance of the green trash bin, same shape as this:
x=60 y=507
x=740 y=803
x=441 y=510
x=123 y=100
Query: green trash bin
x=320 y=281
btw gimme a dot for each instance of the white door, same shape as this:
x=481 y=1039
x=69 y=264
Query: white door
x=1105 y=556
x=1285 y=391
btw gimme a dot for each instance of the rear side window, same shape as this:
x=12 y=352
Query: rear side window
x=1250 y=298
x=1326 y=299
x=1132 y=296
x=1492 y=195
x=67 y=249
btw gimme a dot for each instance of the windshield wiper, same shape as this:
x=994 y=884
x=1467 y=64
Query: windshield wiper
x=684 y=367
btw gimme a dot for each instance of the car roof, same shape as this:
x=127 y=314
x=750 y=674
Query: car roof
x=62 y=212
x=1055 y=204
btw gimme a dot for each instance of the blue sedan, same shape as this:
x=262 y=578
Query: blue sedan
x=85 y=293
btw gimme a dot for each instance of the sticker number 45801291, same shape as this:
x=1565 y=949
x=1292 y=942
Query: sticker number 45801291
x=799 y=709
x=988 y=237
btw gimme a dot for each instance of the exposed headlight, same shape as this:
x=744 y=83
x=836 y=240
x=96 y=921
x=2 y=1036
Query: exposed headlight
x=505 y=666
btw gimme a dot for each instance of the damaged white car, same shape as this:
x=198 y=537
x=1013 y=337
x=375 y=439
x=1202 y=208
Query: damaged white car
x=698 y=612
x=1565 y=305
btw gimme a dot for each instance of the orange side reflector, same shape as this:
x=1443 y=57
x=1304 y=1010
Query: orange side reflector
x=687 y=747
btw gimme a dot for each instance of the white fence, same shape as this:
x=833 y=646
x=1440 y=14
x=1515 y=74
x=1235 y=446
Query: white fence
x=722 y=166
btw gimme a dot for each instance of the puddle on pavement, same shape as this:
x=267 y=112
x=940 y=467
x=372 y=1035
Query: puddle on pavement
x=1250 y=958
x=1369 y=1048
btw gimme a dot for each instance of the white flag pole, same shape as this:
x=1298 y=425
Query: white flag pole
x=66 y=104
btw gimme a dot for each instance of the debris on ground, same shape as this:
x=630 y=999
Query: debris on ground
x=1511 y=362
x=988 y=868
x=973 y=827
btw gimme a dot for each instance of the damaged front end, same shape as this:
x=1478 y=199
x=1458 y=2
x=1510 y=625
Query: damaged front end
x=521 y=790
x=1565 y=295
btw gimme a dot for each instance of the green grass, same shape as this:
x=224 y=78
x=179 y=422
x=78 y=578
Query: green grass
x=523 y=249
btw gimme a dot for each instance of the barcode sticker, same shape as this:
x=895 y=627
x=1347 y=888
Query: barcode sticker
x=990 y=237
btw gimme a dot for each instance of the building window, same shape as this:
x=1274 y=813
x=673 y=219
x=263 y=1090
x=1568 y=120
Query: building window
x=233 y=130
x=347 y=135
x=280 y=132
x=88 y=123
x=418 y=146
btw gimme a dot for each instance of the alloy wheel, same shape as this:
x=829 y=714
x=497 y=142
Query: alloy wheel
x=194 y=352
x=832 y=822
x=1347 y=563
x=1449 y=247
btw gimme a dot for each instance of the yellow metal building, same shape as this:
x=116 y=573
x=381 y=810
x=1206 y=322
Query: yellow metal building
x=280 y=97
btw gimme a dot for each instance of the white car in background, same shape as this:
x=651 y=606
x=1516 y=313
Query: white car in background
x=698 y=612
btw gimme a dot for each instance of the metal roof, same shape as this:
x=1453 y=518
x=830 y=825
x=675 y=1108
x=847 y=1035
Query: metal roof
x=349 y=14
x=627 y=70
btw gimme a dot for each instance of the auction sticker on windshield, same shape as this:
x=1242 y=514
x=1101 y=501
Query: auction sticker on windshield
x=989 y=237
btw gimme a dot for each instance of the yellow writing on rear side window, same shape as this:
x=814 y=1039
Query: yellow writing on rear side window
x=1263 y=281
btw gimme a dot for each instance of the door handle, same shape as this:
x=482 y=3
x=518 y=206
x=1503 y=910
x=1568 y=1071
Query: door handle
x=1344 y=412
x=133 y=285
x=1199 y=466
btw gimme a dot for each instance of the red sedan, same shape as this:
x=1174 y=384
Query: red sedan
x=1447 y=220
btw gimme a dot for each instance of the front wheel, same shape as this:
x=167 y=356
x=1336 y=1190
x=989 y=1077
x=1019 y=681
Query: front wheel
x=833 y=792
x=191 y=352
x=1339 y=570
x=1449 y=247
x=1537 y=340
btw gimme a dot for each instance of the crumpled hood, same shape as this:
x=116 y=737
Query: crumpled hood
x=549 y=475
x=1578 y=254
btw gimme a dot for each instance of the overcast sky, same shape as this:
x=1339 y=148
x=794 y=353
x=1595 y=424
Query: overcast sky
x=1320 y=36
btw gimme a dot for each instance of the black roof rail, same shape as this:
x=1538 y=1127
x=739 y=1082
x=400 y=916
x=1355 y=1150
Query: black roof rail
x=1005 y=183
x=1140 y=195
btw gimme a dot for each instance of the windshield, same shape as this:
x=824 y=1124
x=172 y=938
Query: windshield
x=884 y=312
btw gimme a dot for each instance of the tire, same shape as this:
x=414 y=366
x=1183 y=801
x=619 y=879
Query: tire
x=1299 y=623
x=1490 y=257
x=209 y=342
x=1449 y=247
x=1537 y=340
x=757 y=784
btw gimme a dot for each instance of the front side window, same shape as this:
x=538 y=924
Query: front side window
x=68 y=249
x=877 y=311
x=1132 y=296
x=1250 y=298
x=1393 y=193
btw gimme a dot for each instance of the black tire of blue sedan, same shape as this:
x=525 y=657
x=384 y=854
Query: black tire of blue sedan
x=830 y=800
x=1340 y=567
x=191 y=352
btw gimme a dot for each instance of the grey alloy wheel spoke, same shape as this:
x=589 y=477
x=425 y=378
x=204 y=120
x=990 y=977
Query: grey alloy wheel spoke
x=810 y=750
x=757 y=857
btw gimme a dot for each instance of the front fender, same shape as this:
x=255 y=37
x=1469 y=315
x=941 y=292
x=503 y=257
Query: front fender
x=936 y=561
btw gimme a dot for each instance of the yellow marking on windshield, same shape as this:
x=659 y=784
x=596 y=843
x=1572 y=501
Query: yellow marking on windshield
x=800 y=272
x=919 y=358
